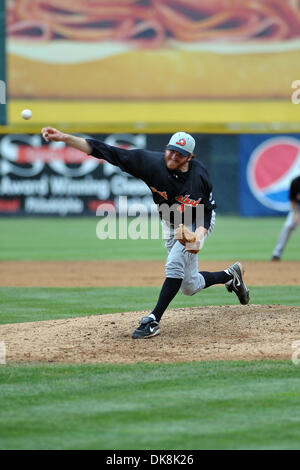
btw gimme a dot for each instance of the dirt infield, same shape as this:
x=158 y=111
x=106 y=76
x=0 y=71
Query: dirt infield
x=131 y=273
x=192 y=334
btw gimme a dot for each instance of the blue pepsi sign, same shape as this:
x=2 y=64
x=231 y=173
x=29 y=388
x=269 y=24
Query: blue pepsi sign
x=268 y=164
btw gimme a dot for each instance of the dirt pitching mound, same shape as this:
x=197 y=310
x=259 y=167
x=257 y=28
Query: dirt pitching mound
x=190 y=334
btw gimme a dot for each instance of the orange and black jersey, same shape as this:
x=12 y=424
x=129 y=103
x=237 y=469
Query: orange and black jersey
x=168 y=187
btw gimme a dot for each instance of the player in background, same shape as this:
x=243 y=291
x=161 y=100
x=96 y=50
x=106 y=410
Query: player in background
x=179 y=182
x=292 y=220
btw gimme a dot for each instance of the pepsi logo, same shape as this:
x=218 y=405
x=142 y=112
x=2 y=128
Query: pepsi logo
x=271 y=168
x=181 y=142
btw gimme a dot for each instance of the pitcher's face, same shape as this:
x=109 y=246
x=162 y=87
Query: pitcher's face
x=176 y=161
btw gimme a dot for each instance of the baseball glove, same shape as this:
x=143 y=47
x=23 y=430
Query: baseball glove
x=184 y=235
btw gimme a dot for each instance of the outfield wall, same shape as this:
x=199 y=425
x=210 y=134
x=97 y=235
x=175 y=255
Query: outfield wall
x=250 y=174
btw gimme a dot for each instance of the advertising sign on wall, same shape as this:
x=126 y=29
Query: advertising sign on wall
x=37 y=178
x=162 y=49
x=268 y=164
x=40 y=179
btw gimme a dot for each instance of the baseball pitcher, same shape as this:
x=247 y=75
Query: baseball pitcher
x=182 y=190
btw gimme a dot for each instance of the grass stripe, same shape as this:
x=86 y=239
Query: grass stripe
x=211 y=405
x=37 y=303
x=75 y=239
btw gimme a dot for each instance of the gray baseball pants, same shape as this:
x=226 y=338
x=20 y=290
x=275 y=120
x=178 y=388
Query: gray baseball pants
x=182 y=265
x=285 y=233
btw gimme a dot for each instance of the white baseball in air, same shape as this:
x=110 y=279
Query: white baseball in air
x=26 y=114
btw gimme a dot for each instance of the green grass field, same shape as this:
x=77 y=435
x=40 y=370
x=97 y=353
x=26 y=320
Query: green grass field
x=37 y=303
x=205 y=405
x=75 y=239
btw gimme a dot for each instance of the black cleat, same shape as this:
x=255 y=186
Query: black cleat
x=146 y=329
x=275 y=258
x=237 y=285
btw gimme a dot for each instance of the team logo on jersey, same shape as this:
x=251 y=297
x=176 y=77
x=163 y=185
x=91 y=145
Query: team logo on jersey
x=271 y=168
x=181 y=142
x=185 y=201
